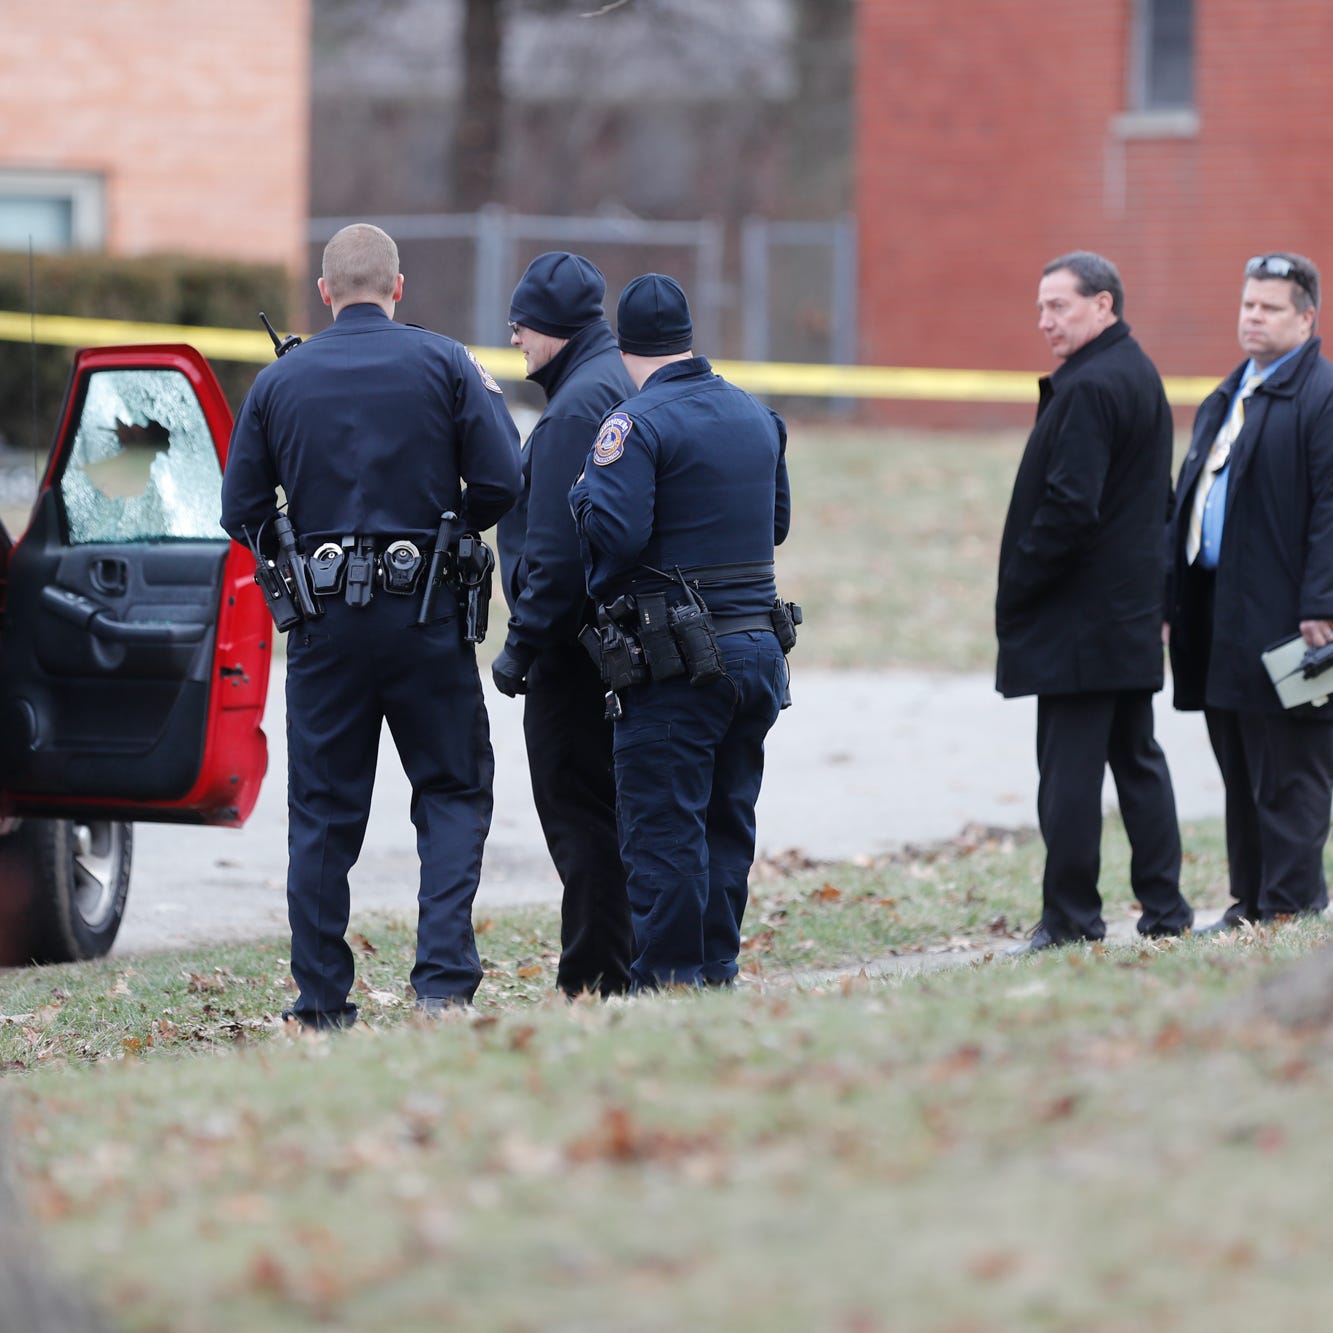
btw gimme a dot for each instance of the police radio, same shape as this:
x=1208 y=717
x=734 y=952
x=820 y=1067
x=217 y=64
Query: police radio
x=285 y=582
x=281 y=346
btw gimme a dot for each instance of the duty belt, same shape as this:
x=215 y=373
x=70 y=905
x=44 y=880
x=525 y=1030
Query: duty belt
x=352 y=566
x=739 y=624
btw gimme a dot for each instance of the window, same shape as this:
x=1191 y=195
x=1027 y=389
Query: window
x=1163 y=63
x=51 y=210
x=143 y=466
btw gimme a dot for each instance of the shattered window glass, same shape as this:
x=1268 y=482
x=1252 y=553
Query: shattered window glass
x=143 y=465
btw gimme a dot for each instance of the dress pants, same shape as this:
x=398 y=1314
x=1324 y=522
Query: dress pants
x=1278 y=774
x=689 y=763
x=574 y=790
x=347 y=672
x=1078 y=735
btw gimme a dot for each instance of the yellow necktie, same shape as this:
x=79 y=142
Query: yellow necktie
x=1215 y=462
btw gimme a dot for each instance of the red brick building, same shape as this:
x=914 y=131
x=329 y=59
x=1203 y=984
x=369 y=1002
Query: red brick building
x=1178 y=137
x=151 y=126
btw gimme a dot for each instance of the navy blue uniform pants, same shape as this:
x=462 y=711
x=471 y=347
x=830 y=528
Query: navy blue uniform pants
x=574 y=790
x=347 y=673
x=689 y=762
x=1278 y=775
x=1078 y=736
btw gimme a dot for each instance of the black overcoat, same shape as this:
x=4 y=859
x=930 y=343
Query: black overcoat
x=1082 y=562
x=1275 y=564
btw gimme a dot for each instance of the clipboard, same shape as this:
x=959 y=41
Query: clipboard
x=1300 y=674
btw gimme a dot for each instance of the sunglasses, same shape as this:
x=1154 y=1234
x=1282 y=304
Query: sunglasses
x=1279 y=266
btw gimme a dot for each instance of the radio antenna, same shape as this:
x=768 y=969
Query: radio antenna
x=32 y=344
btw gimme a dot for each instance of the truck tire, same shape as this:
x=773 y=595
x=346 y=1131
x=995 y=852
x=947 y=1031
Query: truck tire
x=81 y=878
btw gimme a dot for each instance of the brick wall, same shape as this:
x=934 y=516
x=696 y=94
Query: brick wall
x=992 y=143
x=195 y=112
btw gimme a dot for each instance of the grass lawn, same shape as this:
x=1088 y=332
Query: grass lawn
x=894 y=540
x=859 y=1137
x=1098 y=1137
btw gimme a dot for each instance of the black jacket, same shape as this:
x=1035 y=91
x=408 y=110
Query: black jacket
x=1275 y=566
x=371 y=427
x=1082 y=564
x=540 y=559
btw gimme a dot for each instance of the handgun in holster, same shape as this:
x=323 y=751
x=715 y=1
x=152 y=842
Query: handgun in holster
x=474 y=561
x=614 y=646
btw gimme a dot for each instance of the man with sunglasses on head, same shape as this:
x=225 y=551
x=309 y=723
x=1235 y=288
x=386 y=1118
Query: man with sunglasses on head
x=1251 y=539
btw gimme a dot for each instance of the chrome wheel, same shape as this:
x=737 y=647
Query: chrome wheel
x=97 y=851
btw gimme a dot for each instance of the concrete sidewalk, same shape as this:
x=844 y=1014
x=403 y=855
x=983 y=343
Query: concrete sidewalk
x=863 y=763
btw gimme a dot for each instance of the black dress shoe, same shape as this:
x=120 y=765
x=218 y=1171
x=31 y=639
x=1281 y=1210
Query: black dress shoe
x=1041 y=938
x=1164 y=932
x=1232 y=918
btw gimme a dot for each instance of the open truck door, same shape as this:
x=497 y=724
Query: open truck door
x=135 y=648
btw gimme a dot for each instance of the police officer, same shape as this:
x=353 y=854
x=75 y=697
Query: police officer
x=686 y=490
x=569 y=351
x=370 y=428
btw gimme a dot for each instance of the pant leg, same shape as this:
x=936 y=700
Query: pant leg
x=1244 y=840
x=333 y=727
x=1073 y=735
x=1291 y=769
x=569 y=746
x=665 y=745
x=758 y=671
x=1148 y=808
x=433 y=703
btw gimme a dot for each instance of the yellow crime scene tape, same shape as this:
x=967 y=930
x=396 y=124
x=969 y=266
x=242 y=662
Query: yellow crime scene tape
x=506 y=363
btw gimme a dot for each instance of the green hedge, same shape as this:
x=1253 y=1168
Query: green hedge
x=157 y=289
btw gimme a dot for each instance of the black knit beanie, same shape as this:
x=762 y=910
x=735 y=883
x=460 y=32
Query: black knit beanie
x=653 y=318
x=558 y=294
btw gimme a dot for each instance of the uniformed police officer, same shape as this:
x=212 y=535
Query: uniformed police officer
x=686 y=491
x=370 y=428
x=569 y=350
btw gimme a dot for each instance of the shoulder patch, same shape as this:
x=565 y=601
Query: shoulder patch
x=486 y=377
x=611 y=439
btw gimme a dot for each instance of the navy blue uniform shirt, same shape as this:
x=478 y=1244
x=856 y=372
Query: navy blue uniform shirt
x=368 y=427
x=691 y=471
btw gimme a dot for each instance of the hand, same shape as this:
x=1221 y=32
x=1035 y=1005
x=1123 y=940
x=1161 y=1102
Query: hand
x=1317 y=633
x=510 y=678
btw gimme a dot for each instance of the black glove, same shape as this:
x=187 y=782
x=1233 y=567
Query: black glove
x=509 y=674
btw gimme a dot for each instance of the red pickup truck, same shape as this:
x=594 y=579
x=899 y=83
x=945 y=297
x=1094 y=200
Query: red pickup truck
x=134 y=649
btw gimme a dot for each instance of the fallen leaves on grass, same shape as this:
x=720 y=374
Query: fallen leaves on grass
x=620 y=1138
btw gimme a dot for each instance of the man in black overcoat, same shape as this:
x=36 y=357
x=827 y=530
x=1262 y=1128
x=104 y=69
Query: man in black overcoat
x=1078 y=611
x=1251 y=540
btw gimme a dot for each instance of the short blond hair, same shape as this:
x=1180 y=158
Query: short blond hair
x=360 y=261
